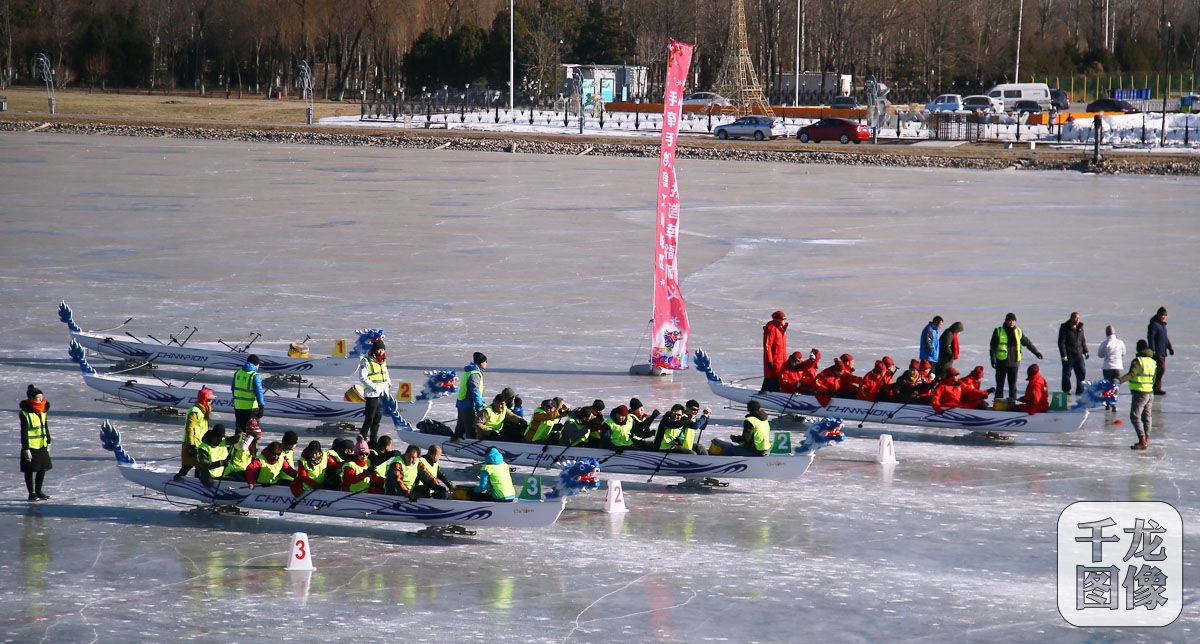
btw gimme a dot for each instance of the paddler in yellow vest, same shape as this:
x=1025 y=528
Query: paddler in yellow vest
x=242 y=451
x=373 y=374
x=290 y=439
x=755 y=439
x=247 y=393
x=35 y=442
x=545 y=420
x=357 y=473
x=194 y=429
x=270 y=468
x=1005 y=351
x=213 y=455
x=431 y=481
x=676 y=432
x=495 y=479
x=402 y=473
x=1141 y=388
x=470 y=402
x=314 y=467
x=489 y=424
x=618 y=431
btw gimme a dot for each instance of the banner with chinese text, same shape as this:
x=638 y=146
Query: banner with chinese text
x=670 y=323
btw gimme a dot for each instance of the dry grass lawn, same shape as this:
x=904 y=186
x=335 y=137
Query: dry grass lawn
x=32 y=102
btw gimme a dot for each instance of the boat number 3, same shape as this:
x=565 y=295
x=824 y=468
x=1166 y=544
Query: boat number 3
x=404 y=393
x=532 y=488
x=300 y=552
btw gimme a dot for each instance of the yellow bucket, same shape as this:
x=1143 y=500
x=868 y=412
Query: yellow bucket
x=354 y=394
x=460 y=494
x=298 y=350
x=1004 y=405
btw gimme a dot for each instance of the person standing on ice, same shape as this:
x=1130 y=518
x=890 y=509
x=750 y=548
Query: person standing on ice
x=1005 y=351
x=373 y=374
x=1112 y=352
x=35 y=442
x=775 y=351
x=194 y=429
x=1141 y=377
x=1072 y=347
x=247 y=393
x=930 y=346
x=1160 y=344
x=470 y=402
x=947 y=351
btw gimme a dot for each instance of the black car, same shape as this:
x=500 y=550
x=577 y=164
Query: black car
x=1059 y=100
x=844 y=103
x=1112 y=105
x=1031 y=107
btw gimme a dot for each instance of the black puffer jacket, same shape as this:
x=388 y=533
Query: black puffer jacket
x=1071 y=341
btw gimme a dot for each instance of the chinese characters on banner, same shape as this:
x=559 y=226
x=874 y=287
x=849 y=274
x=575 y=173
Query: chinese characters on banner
x=669 y=342
x=1120 y=564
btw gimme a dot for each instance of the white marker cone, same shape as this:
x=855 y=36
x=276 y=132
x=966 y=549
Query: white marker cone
x=887 y=453
x=300 y=557
x=614 y=498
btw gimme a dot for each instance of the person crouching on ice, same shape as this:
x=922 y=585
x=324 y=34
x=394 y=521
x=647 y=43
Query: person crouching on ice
x=755 y=439
x=495 y=480
x=1035 y=400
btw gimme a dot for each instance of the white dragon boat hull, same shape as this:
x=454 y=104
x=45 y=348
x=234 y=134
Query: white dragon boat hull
x=891 y=413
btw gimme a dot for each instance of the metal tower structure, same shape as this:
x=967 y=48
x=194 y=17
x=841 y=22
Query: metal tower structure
x=737 y=80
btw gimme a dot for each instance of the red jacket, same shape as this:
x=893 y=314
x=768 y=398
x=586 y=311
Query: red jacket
x=873 y=383
x=255 y=465
x=946 y=395
x=827 y=383
x=954 y=346
x=774 y=348
x=1035 y=398
x=789 y=379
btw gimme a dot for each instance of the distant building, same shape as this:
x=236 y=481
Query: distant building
x=607 y=82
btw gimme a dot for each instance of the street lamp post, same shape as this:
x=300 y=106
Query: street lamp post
x=46 y=71
x=1162 y=131
x=1020 y=19
x=512 y=39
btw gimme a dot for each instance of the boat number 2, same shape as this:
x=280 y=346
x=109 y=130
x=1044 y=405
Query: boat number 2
x=300 y=552
x=404 y=393
x=782 y=443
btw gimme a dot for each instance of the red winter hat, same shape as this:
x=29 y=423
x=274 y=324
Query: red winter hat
x=621 y=410
x=816 y=353
x=879 y=366
x=888 y=362
x=846 y=358
x=779 y=315
x=798 y=356
x=977 y=372
x=925 y=365
x=950 y=371
x=205 y=395
x=1033 y=369
x=914 y=364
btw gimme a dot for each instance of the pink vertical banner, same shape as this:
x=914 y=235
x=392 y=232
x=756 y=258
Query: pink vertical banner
x=669 y=346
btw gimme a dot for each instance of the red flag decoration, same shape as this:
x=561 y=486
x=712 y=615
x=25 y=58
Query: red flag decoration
x=670 y=316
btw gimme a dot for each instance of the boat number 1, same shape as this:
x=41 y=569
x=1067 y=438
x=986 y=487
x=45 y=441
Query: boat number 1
x=404 y=392
x=300 y=552
x=339 y=348
x=782 y=443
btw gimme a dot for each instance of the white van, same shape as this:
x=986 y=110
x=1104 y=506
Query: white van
x=1010 y=93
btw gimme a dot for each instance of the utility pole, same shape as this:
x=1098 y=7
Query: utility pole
x=512 y=40
x=1020 y=19
x=796 y=83
x=1166 y=24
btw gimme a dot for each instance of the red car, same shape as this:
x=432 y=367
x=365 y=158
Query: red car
x=843 y=130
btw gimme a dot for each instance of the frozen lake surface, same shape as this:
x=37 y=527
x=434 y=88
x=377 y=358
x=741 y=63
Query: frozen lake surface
x=543 y=263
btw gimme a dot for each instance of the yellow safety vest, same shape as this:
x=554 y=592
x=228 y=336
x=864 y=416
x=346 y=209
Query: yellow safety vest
x=377 y=372
x=621 y=434
x=35 y=429
x=1143 y=381
x=762 y=434
x=494 y=421
x=1002 y=343
x=317 y=472
x=406 y=474
x=462 y=384
x=500 y=484
x=243 y=390
x=208 y=454
x=668 y=440
x=430 y=468
x=239 y=460
x=542 y=430
x=270 y=473
x=354 y=468
x=195 y=427
x=289 y=457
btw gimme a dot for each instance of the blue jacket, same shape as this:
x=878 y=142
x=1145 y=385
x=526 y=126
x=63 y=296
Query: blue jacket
x=1156 y=337
x=257 y=380
x=929 y=343
x=474 y=399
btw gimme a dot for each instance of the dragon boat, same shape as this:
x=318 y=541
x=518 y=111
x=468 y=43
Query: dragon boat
x=791 y=463
x=144 y=392
x=919 y=415
x=216 y=355
x=522 y=513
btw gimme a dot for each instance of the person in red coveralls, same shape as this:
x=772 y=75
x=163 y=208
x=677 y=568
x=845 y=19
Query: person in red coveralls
x=828 y=382
x=1035 y=400
x=850 y=382
x=789 y=375
x=948 y=392
x=972 y=396
x=808 y=371
x=775 y=351
x=873 y=382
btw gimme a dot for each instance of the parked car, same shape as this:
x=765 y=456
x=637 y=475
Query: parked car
x=1059 y=100
x=1111 y=105
x=1030 y=107
x=844 y=103
x=1010 y=93
x=946 y=103
x=983 y=104
x=706 y=99
x=759 y=127
x=843 y=130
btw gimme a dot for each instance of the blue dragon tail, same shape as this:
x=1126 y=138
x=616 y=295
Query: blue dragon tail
x=704 y=364
x=76 y=353
x=110 y=438
x=66 y=317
